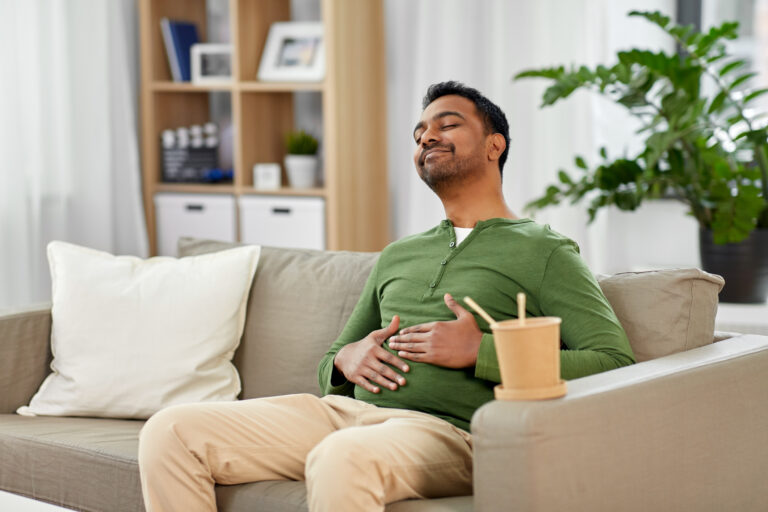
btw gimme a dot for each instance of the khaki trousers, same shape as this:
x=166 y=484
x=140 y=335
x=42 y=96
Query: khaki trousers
x=354 y=456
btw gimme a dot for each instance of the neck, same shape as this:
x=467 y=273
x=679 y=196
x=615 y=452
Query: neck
x=468 y=203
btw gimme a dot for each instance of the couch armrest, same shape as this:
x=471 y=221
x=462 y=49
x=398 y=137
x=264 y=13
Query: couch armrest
x=724 y=335
x=25 y=355
x=684 y=432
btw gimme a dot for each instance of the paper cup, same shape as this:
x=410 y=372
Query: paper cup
x=529 y=359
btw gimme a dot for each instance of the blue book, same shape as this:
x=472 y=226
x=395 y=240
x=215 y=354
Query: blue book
x=179 y=37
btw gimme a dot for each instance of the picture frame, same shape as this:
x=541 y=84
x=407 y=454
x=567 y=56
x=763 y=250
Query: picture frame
x=294 y=52
x=211 y=63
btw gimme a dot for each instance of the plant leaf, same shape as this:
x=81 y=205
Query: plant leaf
x=715 y=57
x=754 y=94
x=717 y=103
x=653 y=16
x=731 y=66
x=735 y=214
x=741 y=79
x=553 y=73
x=656 y=145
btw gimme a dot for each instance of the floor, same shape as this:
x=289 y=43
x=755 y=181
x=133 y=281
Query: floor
x=15 y=503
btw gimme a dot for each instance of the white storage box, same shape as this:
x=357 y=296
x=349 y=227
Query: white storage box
x=209 y=216
x=297 y=222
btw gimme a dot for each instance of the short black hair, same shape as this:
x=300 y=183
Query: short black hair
x=493 y=117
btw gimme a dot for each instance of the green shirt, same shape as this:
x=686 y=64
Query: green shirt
x=498 y=259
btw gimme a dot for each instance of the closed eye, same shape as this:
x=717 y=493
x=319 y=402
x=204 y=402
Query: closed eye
x=444 y=127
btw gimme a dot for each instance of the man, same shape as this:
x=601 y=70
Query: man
x=394 y=423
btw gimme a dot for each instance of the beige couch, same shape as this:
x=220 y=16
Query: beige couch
x=688 y=431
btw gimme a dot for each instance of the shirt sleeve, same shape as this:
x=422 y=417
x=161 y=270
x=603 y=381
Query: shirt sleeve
x=593 y=337
x=365 y=318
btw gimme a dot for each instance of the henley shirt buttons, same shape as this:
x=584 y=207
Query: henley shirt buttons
x=451 y=244
x=443 y=262
x=431 y=285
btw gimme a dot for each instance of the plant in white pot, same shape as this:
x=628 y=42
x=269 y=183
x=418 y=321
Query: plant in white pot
x=301 y=159
x=709 y=151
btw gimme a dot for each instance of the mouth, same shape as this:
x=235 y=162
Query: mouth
x=431 y=151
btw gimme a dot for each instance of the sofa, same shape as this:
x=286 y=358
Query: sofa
x=685 y=429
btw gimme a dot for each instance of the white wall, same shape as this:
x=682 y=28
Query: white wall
x=484 y=44
x=658 y=235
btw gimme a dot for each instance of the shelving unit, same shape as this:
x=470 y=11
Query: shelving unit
x=353 y=108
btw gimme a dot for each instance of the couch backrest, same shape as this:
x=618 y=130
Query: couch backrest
x=664 y=311
x=301 y=299
x=299 y=303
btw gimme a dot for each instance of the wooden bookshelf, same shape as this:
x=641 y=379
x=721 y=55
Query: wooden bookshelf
x=353 y=108
x=195 y=188
x=186 y=87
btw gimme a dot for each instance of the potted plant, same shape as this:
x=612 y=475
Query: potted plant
x=708 y=151
x=301 y=159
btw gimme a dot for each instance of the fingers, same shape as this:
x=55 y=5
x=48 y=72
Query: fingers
x=411 y=342
x=419 y=328
x=364 y=383
x=393 y=325
x=415 y=356
x=372 y=377
x=395 y=361
x=454 y=306
x=386 y=376
x=377 y=372
x=382 y=334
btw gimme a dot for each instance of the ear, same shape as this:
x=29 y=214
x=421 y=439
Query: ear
x=495 y=146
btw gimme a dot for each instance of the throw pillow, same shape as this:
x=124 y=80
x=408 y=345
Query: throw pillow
x=132 y=336
x=664 y=311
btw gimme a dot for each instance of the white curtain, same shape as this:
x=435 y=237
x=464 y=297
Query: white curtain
x=484 y=44
x=69 y=165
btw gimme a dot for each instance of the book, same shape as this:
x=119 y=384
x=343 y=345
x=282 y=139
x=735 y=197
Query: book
x=179 y=36
x=170 y=49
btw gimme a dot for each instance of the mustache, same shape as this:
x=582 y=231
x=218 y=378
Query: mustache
x=450 y=147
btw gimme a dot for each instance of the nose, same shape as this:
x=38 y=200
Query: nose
x=429 y=136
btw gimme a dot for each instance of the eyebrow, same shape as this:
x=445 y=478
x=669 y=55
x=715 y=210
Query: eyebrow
x=437 y=116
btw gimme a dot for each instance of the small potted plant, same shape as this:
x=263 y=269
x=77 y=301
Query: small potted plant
x=708 y=151
x=301 y=159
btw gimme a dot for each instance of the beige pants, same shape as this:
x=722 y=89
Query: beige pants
x=354 y=456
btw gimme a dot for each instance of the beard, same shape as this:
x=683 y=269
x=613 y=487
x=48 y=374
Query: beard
x=448 y=172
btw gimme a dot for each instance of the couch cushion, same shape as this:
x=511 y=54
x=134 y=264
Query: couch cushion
x=299 y=303
x=80 y=463
x=90 y=464
x=281 y=496
x=664 y=311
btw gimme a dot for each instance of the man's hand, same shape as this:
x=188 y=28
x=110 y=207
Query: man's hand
x=363 y=362
x=451 y=344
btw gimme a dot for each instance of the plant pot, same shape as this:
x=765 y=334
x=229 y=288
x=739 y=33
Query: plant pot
x=302 y=170
x=743 y=265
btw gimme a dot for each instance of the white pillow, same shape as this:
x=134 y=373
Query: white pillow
x=132 y=336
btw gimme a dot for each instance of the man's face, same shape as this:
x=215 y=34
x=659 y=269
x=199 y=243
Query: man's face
x=450 y=142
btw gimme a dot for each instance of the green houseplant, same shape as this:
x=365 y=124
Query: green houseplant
x=706 y=151
x=301 y=159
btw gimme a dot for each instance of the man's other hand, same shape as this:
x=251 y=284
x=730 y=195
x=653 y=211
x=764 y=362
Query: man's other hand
x=365 y=362
x=451 y=344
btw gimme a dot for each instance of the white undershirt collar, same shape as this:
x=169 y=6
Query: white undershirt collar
x=461 y=234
